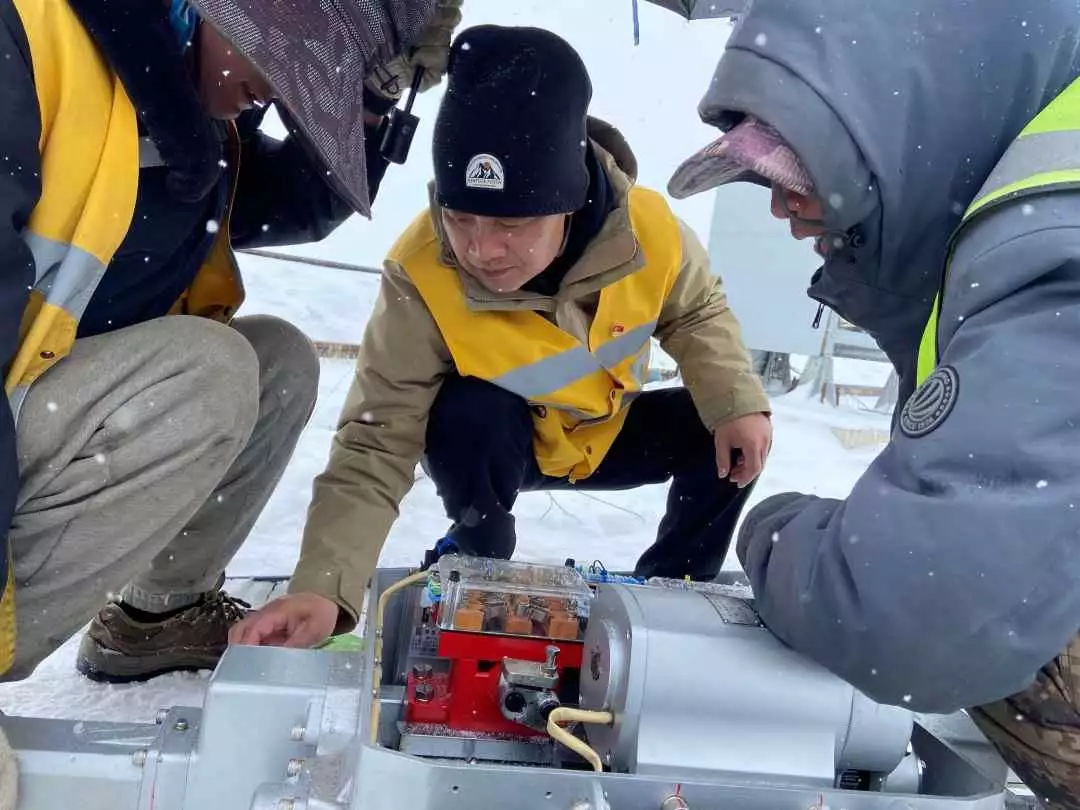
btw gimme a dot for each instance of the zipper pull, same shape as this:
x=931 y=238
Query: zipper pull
x=816 y=323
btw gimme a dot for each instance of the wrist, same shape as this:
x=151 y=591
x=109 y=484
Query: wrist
x=377 y=103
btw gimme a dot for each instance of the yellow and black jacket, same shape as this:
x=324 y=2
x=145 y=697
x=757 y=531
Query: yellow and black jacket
x=94 y=234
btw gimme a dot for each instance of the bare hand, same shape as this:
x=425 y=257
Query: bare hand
x=296 y=620
x=752 y=436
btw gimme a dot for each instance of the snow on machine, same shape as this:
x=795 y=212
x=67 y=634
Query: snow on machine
x=495 y=684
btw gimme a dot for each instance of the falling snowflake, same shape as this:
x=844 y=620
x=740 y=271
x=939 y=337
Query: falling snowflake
x=52 y=407
x=761 y=40
x=212 y=226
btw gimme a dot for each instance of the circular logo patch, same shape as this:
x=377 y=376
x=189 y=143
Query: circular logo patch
x=931 y=403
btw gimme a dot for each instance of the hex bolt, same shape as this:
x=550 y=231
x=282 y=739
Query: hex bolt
x=424 y=692
x=161 y=716
x=294 y=767
x=181 y=725
x=297 y=733
x=550 y=666
x=422 y=671
x=138 y=758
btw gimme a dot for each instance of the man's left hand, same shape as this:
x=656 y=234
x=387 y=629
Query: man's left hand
x=751 y=435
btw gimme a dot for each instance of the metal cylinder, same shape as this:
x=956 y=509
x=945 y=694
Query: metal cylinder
x=698 y=666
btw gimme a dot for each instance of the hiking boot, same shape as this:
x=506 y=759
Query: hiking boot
x=118 y=648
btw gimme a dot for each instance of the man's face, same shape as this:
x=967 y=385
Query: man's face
x=504 y=254
x=229 y=84
x=805 y=216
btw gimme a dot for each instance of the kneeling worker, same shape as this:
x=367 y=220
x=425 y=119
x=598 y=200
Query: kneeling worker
x=510 y=342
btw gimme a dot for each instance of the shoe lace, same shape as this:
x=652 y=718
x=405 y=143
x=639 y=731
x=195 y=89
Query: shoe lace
x=229 y=608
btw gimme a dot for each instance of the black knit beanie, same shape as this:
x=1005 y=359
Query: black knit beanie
x=510 y=136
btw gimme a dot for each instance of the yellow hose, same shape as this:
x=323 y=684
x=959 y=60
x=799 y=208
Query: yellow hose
x=567 y=714
x=376 y=677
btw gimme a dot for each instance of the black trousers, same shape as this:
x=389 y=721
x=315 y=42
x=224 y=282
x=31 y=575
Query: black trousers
x=480 y=456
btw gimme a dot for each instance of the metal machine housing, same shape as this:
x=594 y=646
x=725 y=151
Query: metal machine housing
x=286 y=729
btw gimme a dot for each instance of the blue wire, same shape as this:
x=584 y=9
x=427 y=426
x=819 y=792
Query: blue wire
x=637 y=24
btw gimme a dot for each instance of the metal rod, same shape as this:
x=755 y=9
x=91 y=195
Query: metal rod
x=286 y=257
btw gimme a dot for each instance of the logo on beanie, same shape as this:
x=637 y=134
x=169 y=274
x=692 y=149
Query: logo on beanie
x=485 y=171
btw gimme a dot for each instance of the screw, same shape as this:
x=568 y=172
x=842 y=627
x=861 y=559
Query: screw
x=181 y=725
x=138 y=758
x=294 y=767
x=159 y=718
x=297 y=733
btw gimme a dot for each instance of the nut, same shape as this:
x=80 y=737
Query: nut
x=294 y=767
x=297 y=733
x=138 y=758
x=161 y=716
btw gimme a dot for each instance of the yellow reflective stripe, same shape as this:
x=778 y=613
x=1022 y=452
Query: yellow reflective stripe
x=629 y=344
x=1061 y=113
x=927 y=357
x=1038 y=183
x=16 y=399
x=7 y=616
x=1044 y=157
x=66 y=274
x=558 y=371
x=548 y=374
x=1036 y=155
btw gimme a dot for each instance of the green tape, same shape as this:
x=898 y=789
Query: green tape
x=346 y=642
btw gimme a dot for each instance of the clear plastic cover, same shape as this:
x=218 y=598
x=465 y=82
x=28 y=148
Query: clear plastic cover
x=481 y=595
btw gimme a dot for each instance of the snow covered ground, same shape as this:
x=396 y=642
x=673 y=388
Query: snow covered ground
x=651 y=93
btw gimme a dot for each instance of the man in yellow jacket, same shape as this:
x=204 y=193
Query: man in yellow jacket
x=144 y=426
x=509 y=346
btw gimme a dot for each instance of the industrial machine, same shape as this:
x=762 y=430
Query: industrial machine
x=492 y=684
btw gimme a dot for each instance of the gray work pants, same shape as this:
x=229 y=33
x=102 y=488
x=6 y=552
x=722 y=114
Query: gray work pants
x=145 y=457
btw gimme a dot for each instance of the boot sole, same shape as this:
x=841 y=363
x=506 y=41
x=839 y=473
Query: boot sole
x=102 y=666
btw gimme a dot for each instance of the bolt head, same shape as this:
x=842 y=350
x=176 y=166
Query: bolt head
x=294 y=767
x=180 y=725
x=286 y=804
x=138 y=758
x=298 y=733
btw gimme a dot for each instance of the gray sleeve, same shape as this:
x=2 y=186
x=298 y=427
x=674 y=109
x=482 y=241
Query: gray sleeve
x=951 y=573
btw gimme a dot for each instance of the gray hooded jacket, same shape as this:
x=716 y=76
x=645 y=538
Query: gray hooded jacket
x=951 y=573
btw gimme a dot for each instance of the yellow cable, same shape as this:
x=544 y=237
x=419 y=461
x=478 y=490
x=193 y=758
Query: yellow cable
x=376 y=677
x=569 y=715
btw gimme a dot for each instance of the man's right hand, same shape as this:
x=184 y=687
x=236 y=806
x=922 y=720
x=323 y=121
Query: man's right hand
x=296 y=620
